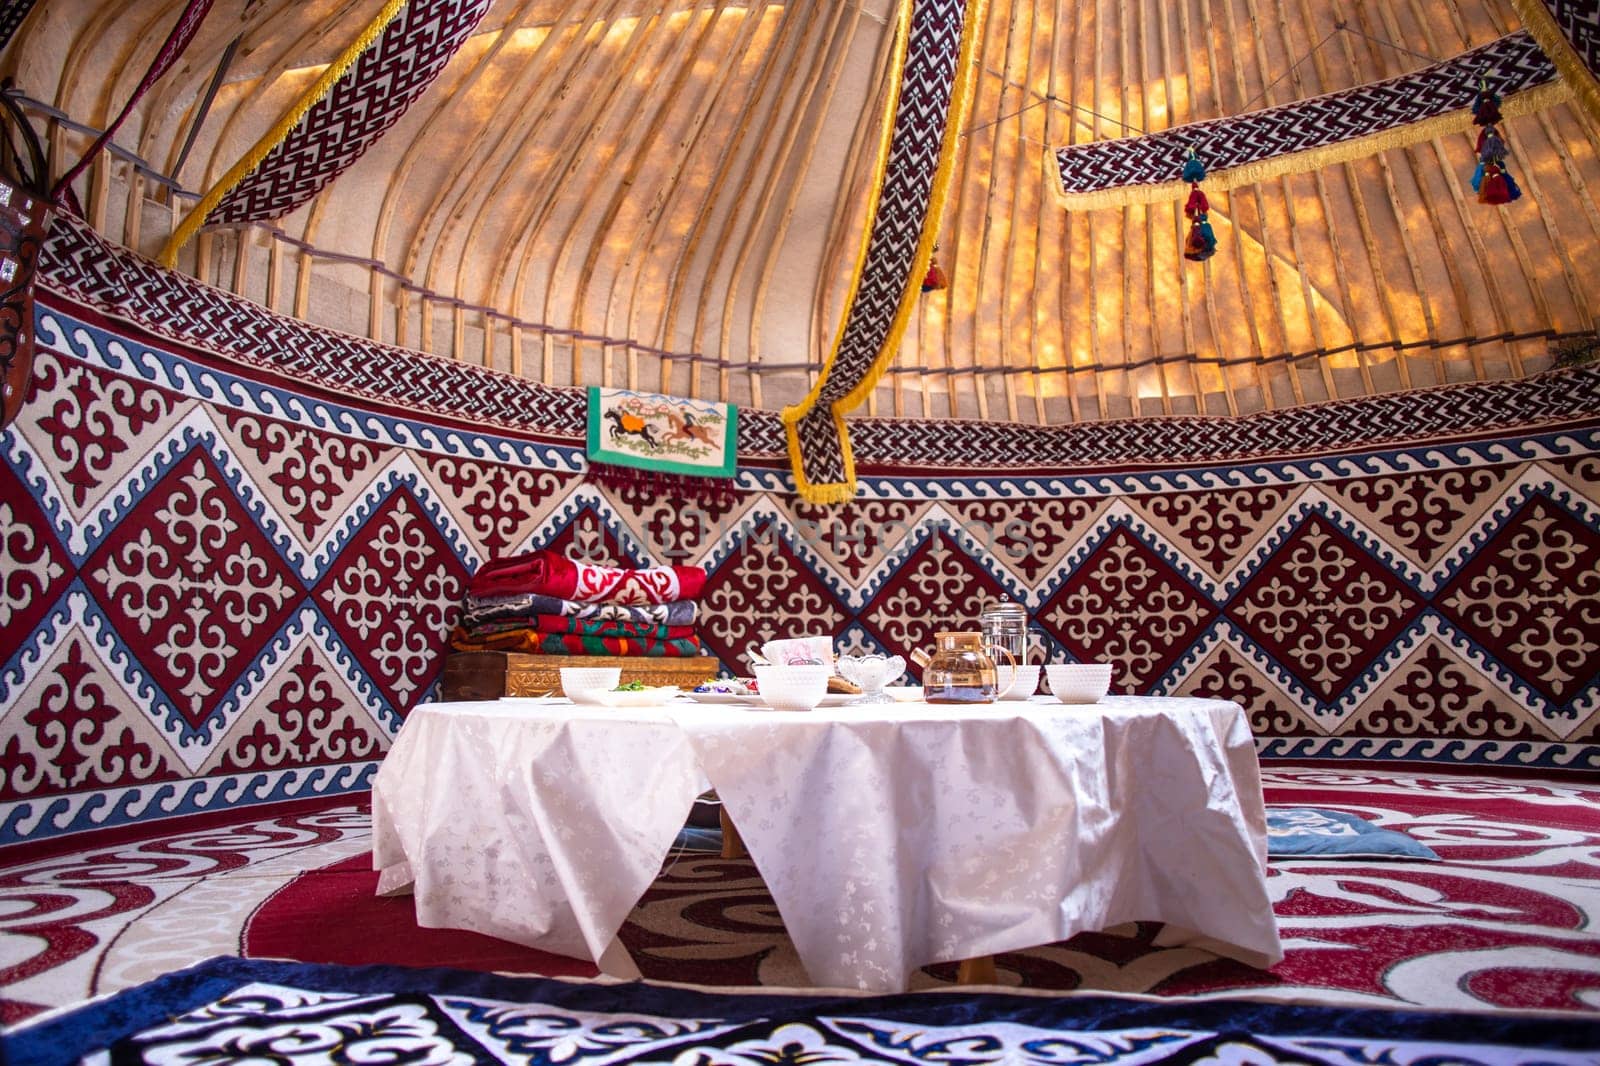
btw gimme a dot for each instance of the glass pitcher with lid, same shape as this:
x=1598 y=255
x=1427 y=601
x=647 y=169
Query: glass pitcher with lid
x=1005 y=625
x=961 y=671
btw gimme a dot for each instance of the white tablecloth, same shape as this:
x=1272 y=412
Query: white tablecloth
x=889 y=838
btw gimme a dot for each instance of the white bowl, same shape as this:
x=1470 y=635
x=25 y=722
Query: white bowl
x=583 y=684
x=1023 y=681
x=793 y=688
x=1079 y=682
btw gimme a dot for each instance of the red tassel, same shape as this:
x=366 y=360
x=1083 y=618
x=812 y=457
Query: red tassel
x=1197 y=205
x=1195 y=247
x=934 y=280
x=1494 y=189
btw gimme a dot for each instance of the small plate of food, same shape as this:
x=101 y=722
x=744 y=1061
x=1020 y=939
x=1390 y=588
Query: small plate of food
x=636 y=694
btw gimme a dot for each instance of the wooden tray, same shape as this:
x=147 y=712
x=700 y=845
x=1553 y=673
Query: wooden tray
x=488 y=675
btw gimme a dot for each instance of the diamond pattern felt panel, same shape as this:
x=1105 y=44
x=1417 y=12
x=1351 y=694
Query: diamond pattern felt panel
x=1305 y=134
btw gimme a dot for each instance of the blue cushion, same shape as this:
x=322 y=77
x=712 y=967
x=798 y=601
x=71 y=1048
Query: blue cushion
x=1310 y=833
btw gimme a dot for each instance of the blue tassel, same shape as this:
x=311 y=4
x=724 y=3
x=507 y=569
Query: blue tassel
x=1194 y=170
x=1512 y=188
x=1477 y=177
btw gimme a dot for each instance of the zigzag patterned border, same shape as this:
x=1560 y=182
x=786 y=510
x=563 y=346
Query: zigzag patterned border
x=244 y=356
x=1452 y=752
x=35 y=819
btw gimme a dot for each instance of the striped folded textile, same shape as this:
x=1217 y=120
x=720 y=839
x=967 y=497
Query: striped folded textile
x=545 y=573
x=481 y=610
x=532 y=642
x=583 y=627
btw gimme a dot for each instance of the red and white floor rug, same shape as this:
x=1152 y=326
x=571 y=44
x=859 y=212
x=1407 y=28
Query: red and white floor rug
x=1509 y=919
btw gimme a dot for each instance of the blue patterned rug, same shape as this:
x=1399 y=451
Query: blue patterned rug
x=227 y=1010
x=1313 y=833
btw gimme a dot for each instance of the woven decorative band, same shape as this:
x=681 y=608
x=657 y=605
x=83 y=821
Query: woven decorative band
x=1569 y=33
x=912 y=176
x=12 y=12
x=1309 y=133
x=370 y=98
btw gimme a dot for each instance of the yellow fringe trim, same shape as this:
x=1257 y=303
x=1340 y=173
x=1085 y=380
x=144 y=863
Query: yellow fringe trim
x=1523 y=103
x=275 y=136
x=1541 y=25
x=960 y=92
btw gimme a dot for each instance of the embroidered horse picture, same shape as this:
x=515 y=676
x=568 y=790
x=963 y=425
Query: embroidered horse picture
x=666 y=433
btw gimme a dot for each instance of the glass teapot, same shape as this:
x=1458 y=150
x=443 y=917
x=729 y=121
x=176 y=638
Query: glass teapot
x=961 y=670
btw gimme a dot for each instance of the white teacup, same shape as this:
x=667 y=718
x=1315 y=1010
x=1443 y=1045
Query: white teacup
x=1017 y=682
x=583 y=684
x=1079 y=682
x=793 y=688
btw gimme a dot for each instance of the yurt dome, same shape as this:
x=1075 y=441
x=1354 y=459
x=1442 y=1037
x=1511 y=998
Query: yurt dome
x=674 y=199
x=749 y=502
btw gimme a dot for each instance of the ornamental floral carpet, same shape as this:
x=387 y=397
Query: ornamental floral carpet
x=1507 y=920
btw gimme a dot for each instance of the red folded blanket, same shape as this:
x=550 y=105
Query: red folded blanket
x=545 y=573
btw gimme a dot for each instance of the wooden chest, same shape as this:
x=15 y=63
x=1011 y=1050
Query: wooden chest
x=488 y=675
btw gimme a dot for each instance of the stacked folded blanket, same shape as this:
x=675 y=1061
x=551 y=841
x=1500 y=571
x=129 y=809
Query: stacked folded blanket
x=546 y=604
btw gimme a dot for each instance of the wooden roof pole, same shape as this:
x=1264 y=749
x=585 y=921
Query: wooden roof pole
x=962 y=193
x=417 y=150
x=1066 y=299
x=781 y=49
x=1387 y=173
x=826 y=63
x=1096 y=373
x=1207 y=280
x=1125 y=103
x=674 y=186
x=842 y=43
x=1274 y=318
x=575 y=136
x=670 y=187
x=1046 y=222
x=1172 y=252
x=1309 y=290
x=1147 y=213
x=1022 y=166
x=1247 y=296
x=756 y=171
x=844 y=230
x=1369 y=241
x=638 y=151
x=648 y=47
x=566 y=77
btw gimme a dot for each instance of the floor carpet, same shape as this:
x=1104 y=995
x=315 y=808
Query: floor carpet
x=1509 y=919
x=249 y=1010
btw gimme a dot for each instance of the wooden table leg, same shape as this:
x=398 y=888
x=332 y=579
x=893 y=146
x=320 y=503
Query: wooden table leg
x=732 y=843
x=978 y=971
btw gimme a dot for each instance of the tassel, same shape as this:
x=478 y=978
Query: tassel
x=1493 y=148
x=1197 y=205
x=1201 y=244
x=1486 y=108
x=934 y=280
x=1193 y=169
x=1494 y=189
x=1513 y=190
x=1477 y=178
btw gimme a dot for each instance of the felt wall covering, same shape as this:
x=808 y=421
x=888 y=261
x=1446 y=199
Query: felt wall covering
x=233 y=547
